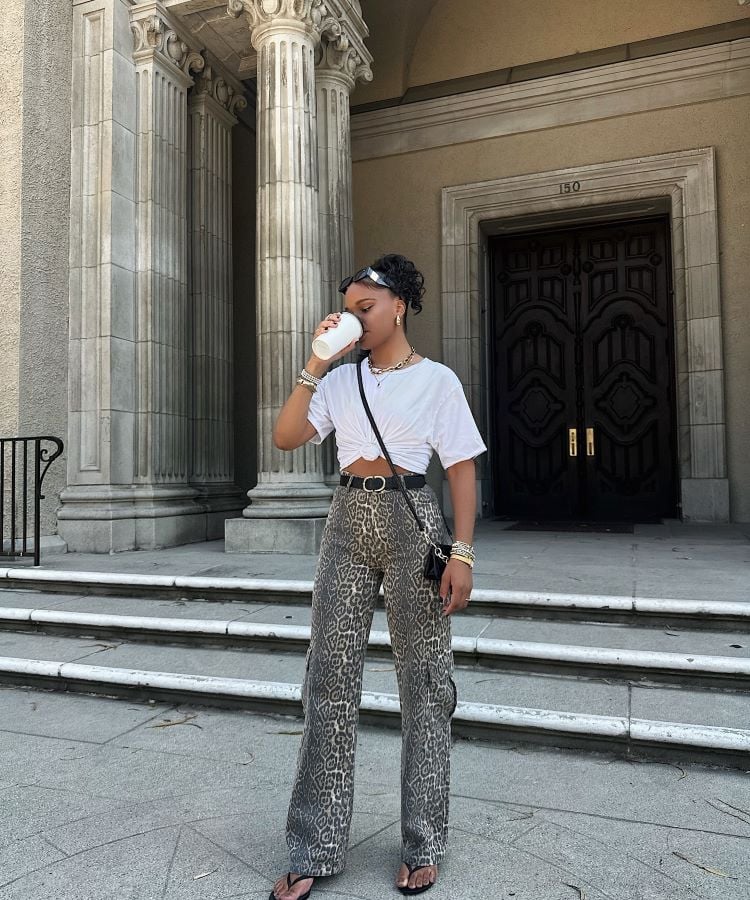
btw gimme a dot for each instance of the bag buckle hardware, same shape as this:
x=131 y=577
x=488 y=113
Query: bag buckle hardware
x=375 y=490
x=439 y=553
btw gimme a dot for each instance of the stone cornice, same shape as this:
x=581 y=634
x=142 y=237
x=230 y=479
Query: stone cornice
x=155 y=37
x=658 y=82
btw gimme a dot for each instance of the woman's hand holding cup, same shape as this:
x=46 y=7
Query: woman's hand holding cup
x=327 y=348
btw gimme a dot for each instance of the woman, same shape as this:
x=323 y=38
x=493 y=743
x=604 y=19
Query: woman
x=371 y=537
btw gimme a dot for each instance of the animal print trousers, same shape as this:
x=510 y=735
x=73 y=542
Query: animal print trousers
x=372 y=539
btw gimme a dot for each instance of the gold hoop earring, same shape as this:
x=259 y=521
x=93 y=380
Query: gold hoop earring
x=398 y=319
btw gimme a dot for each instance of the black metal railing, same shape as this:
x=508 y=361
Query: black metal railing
x=21 y=477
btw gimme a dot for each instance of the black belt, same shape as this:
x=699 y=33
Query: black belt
x=378 y=483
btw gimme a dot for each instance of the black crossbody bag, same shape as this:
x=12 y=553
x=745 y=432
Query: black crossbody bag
x=438 y=554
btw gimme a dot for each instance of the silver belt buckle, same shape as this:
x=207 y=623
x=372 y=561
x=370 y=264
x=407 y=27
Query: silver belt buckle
x=377 y=490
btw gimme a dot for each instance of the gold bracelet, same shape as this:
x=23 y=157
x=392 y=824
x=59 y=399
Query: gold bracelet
x=307 y=384
x=464 y=559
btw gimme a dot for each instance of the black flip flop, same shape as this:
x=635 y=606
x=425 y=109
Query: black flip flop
x=417 y=890
x=290 y=884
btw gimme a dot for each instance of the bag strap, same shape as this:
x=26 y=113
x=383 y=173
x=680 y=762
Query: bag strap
x=402 y=488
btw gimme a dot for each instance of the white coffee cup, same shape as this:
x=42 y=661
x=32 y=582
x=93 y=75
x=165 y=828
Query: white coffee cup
x=330 y=342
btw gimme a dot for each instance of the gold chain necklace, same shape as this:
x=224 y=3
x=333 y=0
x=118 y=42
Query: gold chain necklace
x=384 y=369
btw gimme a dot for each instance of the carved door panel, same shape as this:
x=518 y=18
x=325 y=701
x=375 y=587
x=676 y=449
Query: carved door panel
x=583 y=374
x=535 y=384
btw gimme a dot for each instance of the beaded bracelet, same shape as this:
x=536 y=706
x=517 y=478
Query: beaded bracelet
x=309 y=381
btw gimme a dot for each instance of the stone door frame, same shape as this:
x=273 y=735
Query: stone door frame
x=683 y=184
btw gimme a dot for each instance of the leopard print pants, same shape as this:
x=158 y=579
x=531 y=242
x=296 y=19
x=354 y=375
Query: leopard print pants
x=372 y=539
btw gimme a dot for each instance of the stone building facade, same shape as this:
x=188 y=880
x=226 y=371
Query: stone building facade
x=187 y=180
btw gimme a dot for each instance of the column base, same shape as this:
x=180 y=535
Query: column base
x=106 y=519
x=289 y=500
x=221 y=502
x=297 y=535
x=283 y=517
x=705 y=499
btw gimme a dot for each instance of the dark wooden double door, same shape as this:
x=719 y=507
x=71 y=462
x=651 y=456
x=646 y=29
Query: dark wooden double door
x=583 y=399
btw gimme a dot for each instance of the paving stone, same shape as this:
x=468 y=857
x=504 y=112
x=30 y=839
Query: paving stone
x=141 y=822
x=40 y=713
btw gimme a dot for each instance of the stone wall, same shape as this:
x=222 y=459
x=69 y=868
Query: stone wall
x=11 y=124
x=43 y=364
x=34 y=214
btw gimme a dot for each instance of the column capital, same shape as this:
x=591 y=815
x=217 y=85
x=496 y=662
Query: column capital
x=342 y=55
x=220 y=87
x=266 y=17
x=342 y=52
x=155 y=38
x=336 y=28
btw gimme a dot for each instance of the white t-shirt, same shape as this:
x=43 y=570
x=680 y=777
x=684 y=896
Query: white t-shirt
x=419 y=409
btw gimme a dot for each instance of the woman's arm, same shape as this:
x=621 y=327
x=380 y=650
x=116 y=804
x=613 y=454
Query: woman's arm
x=292 y=428
x=462 y=481
x=457 y=580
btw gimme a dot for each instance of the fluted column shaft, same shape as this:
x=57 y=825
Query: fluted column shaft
x=288 y=274
x=339 y=67
x=342 y=61
x=335 y=203
x=335 y=172
x=289 y=37
x=211 y=105
x=163 y=63
x=128 y=478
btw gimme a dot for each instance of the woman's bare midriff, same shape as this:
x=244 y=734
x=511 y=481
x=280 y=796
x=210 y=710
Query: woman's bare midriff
x=379 y=466
x=362 y=467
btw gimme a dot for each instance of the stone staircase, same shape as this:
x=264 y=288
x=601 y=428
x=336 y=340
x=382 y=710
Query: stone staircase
x=639 y=676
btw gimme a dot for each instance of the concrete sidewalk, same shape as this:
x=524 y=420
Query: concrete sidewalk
x=166 y=801
x=702 y=562
x=130 y=801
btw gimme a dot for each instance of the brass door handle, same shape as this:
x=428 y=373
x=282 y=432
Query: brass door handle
x=573 y=441
x=590 y=442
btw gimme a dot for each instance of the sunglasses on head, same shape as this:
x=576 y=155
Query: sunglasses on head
x=368 y=273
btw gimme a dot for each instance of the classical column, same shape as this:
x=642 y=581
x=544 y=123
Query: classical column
x=212 y=103
x=291 y=499
x=129 y=427
x=342 y=61
x=97 y=505
x=163 y=63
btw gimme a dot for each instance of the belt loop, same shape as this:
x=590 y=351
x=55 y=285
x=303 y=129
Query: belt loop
x=349 y=483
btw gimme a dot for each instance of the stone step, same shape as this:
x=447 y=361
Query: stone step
x=708 y=724
x=619 y=651
x=587 y=607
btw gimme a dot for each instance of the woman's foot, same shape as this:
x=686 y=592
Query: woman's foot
x=419 y=878
x=292 y=887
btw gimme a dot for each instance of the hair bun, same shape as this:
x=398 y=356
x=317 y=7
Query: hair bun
x=404 y=275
